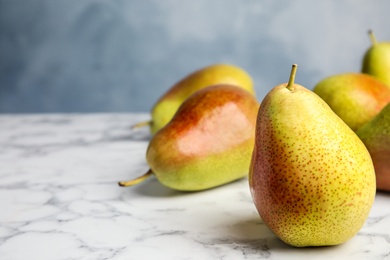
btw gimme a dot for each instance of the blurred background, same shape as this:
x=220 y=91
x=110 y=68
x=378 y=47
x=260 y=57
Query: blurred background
x=121 y=55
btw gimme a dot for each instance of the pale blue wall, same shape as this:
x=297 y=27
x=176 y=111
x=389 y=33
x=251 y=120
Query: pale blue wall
x=121 y=55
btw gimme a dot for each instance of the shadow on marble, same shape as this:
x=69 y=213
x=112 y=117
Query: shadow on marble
x=383 y=193
x=153 y=188
x=251 y=233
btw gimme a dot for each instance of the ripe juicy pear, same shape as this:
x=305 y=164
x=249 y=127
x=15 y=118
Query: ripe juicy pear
x=376 y=60
x=354 y=97
x=311 y=178
x=376 y=136
x=207 y=143
x=165 y=108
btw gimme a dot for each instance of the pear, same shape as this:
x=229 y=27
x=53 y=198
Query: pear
x=311 y=178
x=354 y=97
x=376 y=60
x=167 y=105
x=207 y=143
x=376 y=136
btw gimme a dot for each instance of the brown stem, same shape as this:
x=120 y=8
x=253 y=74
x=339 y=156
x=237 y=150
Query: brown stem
x=136 y=180
x=141 y=124
x=290 y=84
x=372 y=37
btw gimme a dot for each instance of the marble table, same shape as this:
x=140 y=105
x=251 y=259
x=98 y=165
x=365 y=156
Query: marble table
x=59 y=199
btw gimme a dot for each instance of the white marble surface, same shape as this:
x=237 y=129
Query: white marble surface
x=59 y=199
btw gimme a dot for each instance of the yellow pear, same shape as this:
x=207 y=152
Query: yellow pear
x=311 y=178
x=355 y=97
x=376 y=136
x=207 y=143
x=167 y=105
x=376 y=60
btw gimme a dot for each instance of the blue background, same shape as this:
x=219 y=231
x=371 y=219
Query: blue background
x=121 y=55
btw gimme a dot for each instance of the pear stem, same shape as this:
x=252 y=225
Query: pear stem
x=290 y=84
x=140 y=124
x=136 y=180
x=372 y=37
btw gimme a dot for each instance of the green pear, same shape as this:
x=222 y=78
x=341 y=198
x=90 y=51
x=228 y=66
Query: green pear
x=207 y=143
x=354 y=97
x=311 y=178
x=376 y=136
x=165 y=108
x=376 y=60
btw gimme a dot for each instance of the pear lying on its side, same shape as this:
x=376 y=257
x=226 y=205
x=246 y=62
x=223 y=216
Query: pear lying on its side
x=207 y=143
x=164 y=109
x=311 y=178
x=376 y=136
x=376 y=60
x=354 y=97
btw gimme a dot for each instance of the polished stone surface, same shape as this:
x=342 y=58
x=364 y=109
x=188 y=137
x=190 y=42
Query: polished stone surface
x=59 y=199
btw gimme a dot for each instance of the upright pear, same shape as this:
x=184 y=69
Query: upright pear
x=311 y=178
x=354 y=97
x=376 y=136
x=165 y=108
x=207 y=143
x=376 y=60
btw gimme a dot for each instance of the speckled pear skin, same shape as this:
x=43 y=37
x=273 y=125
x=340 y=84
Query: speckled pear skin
x=376 y=136
x=208 y=142
x=354 y=97
x=311 y=178
x=165 y=108
x=376 y=62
